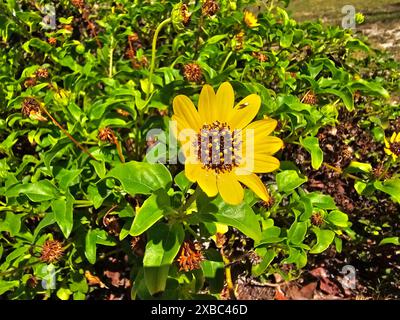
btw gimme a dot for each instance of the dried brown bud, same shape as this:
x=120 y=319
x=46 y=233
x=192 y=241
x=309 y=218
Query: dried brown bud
x=52 y=251
x=210 y=8
x=192 y=72
x=260 y=56
x=107 y=135
x=52 y=41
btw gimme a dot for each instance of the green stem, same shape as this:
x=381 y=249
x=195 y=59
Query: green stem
x=225 y=61
x=110 y=71
x=153 y=53
x=191 y=199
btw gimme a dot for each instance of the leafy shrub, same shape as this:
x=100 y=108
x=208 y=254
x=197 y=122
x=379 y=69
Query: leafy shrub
x=79 y=104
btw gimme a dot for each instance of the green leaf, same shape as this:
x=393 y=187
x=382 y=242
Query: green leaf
x=390 y=240
x=48 y=219
x=213 y=270
x=324 y=239
x=141 y=177
x=90 y=246
x=391 y=187
x=297 y=232
x=338 y=218
x=289 y=180
x=37 y=192
x=267 y=256
x=63 y=213
x=287 y=39
x=163 y=245
x=311 y=144
x=66 y=178
x=182 y=182
x=321 y=201
x=357 y=167
x=150 y=212
x=216 y=39
x=296 y=256
x=241 y=216
x=38 y=44
x=7 y=285
x=11 y=224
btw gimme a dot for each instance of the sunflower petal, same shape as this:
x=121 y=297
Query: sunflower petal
x=387 y=151
x=398 y=137
x=185 y=110
x=245 y=111
x=225 y=99
x=254 y=183
x=207 y=181
x=207 y=104
x=267 y=145
x=260 y=163
x=262 y=127
x=230 y=189
x=192 y=171
x=387 y=144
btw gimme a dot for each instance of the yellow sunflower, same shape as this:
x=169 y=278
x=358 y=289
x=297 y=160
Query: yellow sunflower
x=393 y=145
x=222 y=147
x=250 y=19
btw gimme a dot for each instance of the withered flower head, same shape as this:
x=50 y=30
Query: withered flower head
x=138 y=246
x=268 y=204
x=190 y=257
x=220 y=239
x=30 y=106
x=260 y=56
x=310 y=98
x=42 y=73
x=32 y=281
x=130 y=53
x=68 y=27
x=192 y=72
x=185 y=14
x=52 y=251
x=52 y=41
x=254 y=258
x=180 y=16
x=30 y=82
x=78 y=3
x=107 y=135
x=239 y=38
x=316 y=219
x=210 y=8
x=133 y=37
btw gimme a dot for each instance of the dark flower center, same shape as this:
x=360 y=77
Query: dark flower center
x=218 y=147
x=395 y=148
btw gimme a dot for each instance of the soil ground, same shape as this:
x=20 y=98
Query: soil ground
x=382 y=18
